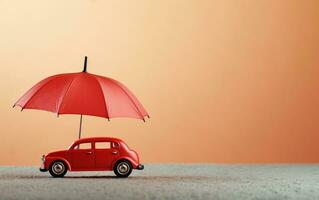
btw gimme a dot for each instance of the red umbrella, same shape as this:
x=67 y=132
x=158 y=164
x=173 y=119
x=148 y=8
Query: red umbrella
x=83 y=93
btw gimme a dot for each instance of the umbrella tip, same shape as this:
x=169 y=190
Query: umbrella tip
x=85 y=64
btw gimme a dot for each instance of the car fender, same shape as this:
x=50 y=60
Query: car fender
x=50 y=160
x=134 y=164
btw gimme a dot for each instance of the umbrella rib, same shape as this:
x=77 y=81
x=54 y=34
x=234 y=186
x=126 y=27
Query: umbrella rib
x=105 y=104
x=60 y=102
x=137 y=110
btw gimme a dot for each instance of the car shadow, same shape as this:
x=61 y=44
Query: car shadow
x=152 y=178
x=89 y=177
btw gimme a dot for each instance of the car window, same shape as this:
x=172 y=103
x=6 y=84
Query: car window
x=83 y=146
x=115 y=145
x=102 y=145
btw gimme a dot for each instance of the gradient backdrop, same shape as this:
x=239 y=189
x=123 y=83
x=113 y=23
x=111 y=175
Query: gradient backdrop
x=228 y=81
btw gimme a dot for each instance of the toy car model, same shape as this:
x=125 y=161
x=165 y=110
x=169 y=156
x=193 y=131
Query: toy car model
x=93 y=154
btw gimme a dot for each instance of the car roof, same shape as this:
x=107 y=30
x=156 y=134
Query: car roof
x=96 y=139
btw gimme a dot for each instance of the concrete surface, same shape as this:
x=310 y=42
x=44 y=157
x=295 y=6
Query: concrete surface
x=167 y=181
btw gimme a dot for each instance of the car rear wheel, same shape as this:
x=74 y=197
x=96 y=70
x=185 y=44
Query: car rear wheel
x=123 y=168
x=58 y=169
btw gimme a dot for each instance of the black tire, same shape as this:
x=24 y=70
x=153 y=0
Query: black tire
x=122 y=168
x=58 y=169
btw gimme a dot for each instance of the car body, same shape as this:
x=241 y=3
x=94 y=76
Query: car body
x=93 y=154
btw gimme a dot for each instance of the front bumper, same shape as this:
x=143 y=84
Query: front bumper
x=43 y=170
x=140 y=167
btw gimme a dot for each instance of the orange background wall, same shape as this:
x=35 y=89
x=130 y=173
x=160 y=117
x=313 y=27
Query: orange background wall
x=228 y=81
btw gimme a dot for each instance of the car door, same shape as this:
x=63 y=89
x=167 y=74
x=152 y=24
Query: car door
x=105 y=154
x=82 y=157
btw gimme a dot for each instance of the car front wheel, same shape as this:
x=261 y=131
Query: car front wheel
x=58 y=169
x=123 y=168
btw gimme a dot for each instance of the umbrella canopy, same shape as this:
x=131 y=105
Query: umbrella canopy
x=83 y=93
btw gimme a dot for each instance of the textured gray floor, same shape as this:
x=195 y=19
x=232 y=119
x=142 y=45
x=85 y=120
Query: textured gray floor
x=167 y=181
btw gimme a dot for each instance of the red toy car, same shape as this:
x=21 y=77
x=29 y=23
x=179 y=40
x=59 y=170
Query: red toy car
x=93 y=154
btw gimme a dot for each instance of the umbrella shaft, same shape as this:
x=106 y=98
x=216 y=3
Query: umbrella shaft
x=80 y=130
